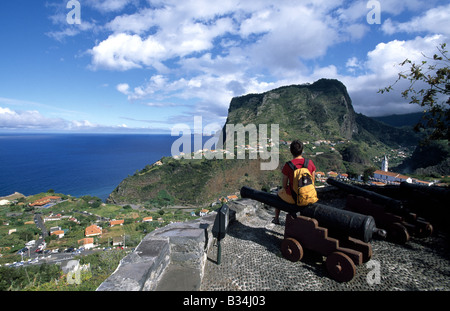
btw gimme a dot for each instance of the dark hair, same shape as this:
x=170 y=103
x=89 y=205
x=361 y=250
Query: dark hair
x=296 y=148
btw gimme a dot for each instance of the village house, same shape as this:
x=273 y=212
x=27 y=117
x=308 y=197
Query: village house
x=87 y=243
x=46 y=200
x=52 y=217
x=93 y=230
x=147 y=219
x=53 y=229
x=422 y=182
x=58 y=233
x=117 y=241
x=232 y=197
x=204 y=212
x=390 y=177
x=343 y=176
x=332 y=174
x=74 y=220
x=113 y=223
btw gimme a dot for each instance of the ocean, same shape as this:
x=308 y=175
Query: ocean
x=75 y=164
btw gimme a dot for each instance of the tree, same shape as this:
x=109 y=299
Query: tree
x=368 y=172
x=434 y=97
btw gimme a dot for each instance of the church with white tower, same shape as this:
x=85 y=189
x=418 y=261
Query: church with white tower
x=384 y=164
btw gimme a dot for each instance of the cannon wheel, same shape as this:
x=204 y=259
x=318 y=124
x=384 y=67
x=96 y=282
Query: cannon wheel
x=398 y=233
x=291 y=249
x=340 y=267
x=426 y=231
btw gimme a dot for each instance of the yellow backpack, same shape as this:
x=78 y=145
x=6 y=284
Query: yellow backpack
x=303 y=190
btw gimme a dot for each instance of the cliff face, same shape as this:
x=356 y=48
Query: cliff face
x=322 y=110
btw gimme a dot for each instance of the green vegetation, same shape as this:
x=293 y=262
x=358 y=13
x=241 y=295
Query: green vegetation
x=431 y=158
x=50 y=277
x=190 y=182
x=17 y=225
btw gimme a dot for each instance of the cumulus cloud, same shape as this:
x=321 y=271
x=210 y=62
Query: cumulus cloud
x=435 y=20
x=383 y=66
x=18 y=120
x=107 y=6
x=207 y=51
x=32 y=119
x=123 y=88
x=123 y=51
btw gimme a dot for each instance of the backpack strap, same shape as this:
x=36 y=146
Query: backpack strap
x=293 y=194
x=291 y=165
x=306 y=163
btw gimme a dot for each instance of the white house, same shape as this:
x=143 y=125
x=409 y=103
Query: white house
x=87 y=243
x=390 y=177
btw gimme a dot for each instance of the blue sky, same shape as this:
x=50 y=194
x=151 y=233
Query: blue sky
x=144 y=66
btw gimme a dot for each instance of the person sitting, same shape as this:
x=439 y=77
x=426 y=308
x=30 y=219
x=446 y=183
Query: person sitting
x=285 y=193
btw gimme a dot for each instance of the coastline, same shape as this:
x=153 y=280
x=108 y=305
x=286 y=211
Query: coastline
x=14 y=196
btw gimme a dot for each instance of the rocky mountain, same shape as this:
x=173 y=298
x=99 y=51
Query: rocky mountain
x=322 y=110
x=321 y=114
x=318 y=111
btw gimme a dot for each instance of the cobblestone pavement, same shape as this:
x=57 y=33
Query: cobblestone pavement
x=251 y=260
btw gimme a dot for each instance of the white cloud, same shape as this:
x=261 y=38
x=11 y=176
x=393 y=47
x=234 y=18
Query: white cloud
x=123 y=52
x=383 y=65
x=207 y=51
x=435 y=20
x=30 y=119
x=15 y=120
x=107 y=6
x=123 y=88
x=285 y=33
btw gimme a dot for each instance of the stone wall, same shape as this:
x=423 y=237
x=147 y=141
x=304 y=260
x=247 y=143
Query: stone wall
x=172 y=257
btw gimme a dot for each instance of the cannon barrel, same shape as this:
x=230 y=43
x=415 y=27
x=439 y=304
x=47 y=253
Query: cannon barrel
x=392 y=205
x=339 y=222
x=440 y=193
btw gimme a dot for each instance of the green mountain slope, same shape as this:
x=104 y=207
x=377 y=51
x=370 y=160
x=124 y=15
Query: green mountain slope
x=322 y=110
x=320 y=114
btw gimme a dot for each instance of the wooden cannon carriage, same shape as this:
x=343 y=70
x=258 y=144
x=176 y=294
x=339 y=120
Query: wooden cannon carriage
x=341 y=236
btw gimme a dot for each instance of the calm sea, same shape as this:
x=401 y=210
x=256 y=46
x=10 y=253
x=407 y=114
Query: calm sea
x=75 y=164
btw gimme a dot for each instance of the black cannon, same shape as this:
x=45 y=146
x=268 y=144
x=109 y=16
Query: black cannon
x=390 y=214
x=430 y=202
x=342 y=235
x=392 y=205
x=339 y=222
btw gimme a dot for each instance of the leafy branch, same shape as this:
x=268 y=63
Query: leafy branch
x=435 y=97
